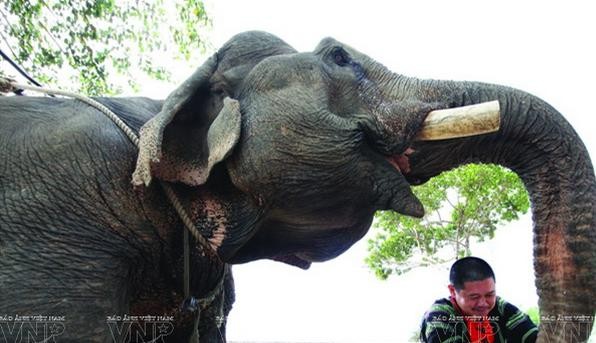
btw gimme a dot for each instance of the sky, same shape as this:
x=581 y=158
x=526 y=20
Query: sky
x=543 y=47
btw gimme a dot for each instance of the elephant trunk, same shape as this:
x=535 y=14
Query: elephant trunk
x=537 y=143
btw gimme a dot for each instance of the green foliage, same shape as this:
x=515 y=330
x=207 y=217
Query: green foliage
x=90 y=41
x=534 y=314
x=463 y=204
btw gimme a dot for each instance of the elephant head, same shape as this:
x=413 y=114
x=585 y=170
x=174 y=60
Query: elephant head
x=298 y=150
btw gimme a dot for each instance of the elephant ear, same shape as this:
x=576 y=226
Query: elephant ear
x=194 y=130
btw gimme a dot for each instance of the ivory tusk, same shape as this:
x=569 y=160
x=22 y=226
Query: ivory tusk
x=460 y=122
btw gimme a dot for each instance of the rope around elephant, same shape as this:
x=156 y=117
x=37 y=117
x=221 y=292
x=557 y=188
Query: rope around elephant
x=9 y=85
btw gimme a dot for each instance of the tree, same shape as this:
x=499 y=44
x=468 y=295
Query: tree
x=461 y=205
x=86 y=43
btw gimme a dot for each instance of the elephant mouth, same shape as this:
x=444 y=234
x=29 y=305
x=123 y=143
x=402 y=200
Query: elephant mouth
x=401 y=162
x=437 y=125
x=293 y=260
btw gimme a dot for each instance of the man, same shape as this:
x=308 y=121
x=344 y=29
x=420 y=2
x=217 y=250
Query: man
x=474 y=313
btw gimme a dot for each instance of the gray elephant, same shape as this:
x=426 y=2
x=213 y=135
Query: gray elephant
x=81 y=248
x=276 y=154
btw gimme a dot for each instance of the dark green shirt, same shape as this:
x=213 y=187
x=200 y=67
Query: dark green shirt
x=443 y=324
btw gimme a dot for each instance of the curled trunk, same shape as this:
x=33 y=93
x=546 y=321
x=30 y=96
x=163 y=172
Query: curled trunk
x=537 y=143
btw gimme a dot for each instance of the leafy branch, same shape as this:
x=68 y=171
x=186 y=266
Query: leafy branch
x=464 y=205
x=89 y=44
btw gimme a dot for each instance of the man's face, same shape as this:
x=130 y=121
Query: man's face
x=476 y=298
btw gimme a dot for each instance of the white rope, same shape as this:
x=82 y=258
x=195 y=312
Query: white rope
x=119 y=122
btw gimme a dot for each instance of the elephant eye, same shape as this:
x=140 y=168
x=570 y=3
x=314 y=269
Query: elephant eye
x=340 y=57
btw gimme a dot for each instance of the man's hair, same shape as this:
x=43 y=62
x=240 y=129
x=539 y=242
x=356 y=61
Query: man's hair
x=469 y=269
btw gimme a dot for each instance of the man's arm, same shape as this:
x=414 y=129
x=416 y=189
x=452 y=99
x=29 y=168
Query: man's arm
x=519 y=326
x=440 y=325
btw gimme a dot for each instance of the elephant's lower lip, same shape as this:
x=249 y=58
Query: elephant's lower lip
x=401 y=162
x=293 y=260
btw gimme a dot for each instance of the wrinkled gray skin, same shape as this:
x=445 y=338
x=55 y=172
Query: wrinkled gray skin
x=311 y=146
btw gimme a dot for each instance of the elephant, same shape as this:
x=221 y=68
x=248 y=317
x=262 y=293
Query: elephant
x=77 y=242
x=276 y=154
